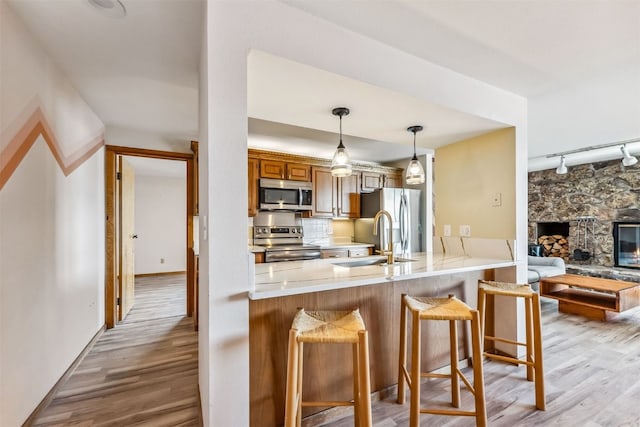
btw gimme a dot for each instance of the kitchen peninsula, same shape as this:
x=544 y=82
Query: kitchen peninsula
x=375 y=288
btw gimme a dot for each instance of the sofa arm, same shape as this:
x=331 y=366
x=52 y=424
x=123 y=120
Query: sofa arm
x=546 y=261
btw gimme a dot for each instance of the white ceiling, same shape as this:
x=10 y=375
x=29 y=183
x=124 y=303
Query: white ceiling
x=141 y=71
x=525 y=47
x=138 y=72
x=284 y=91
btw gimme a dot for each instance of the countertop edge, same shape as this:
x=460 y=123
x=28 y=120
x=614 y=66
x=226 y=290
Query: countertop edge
x=258 y=295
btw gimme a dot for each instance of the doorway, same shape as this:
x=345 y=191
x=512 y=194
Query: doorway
x=119 y=237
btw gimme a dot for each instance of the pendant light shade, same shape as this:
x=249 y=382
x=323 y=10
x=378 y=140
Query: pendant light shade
x=415 y=172
x=341 y=163
x=628 y=159
x=562 y=169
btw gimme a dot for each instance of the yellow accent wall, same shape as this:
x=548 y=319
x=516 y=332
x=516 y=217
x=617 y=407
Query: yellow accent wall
x=468 y=175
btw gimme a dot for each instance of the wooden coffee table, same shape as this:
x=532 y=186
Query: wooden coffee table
x=592 y=297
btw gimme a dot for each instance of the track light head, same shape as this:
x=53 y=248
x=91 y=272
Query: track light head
x=628 y=159
x=562 y=168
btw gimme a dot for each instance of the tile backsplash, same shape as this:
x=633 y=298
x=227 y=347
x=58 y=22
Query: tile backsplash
x=324 y=231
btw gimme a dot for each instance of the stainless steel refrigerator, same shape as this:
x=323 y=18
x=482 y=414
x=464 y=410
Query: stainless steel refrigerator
x=407 y=212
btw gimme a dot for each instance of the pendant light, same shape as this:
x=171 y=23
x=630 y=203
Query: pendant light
x=628 y=160
x=415 y=172
x=341 y=163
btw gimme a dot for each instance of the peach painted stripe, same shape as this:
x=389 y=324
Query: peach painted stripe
x=21 y=143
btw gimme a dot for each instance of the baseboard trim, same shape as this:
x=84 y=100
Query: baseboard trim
x=165 y=273
x=63 y=379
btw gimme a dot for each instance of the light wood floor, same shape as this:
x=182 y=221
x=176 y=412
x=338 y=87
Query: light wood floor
x=144 y=372
x=592 y=379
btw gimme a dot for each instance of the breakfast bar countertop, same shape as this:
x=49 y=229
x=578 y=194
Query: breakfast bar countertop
x=298 y=277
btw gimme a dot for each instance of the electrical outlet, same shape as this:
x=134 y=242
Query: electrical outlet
x=465 y=230
x=447 y=230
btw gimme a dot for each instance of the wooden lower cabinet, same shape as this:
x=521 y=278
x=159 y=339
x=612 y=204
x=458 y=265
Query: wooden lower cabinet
x=270 y=320
x=335 y=197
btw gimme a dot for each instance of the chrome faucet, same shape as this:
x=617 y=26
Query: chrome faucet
x=389 y=251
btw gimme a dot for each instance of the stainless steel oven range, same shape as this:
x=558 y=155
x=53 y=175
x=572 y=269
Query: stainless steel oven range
x=281 y=234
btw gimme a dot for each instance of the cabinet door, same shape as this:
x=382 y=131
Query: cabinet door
x=272 y=169
x=298 y=172
x=393 y=181
x=371 y=181
x=253 y=187
x=323 y=193
x=348 y=197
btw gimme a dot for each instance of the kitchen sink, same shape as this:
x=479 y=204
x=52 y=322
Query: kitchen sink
x=371 y=261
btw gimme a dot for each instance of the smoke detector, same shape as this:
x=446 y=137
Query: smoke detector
x=110 y=8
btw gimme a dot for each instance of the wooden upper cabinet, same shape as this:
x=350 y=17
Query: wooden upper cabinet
x=323 y=193
x=253 y=187
x=393 y=180
x=371 y=181
x=348 y=196
x=298 y=172
x=335 y=197
x=272 y=169
x=277 y=169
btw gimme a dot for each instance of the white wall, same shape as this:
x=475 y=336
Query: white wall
x=160 y=223
x=232 y=29
x=604 y=111
x=134 y=138
x=51 y=225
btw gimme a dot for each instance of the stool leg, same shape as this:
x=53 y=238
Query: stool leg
x=529 y=332
x=356 y=384
x=291 y=404
x=455 y=380
x=414 y=410
x=482 y=303
x=478 y=377
x=365 y=381
x=403 y=352
x=537 y=343
x=300 y=374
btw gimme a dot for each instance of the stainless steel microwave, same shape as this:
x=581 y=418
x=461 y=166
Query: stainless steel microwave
x=278 y=194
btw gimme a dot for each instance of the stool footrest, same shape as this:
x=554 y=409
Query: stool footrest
x=504 y=340
x=509 y=359
x=430 y=375
x=466 y=382
x=447 y=412
x=328 y=403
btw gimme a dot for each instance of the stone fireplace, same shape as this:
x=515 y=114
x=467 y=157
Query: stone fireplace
x=606 y=191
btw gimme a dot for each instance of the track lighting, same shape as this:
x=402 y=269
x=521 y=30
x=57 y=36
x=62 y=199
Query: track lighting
x=341 y=163
x=562 y=168
x=628 y=159
x=415 y=171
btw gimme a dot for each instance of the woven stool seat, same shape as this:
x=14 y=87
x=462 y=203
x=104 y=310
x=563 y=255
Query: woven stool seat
x=328 y=326
x=533 y=331
x=438 y=308
x=335 y=327
x=504 y=288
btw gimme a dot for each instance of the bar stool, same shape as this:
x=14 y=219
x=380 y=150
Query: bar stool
x=451 y=309
x=533 y=342
x=328 y=327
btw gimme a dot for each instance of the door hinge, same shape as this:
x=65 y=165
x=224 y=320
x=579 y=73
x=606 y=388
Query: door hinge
x=118 y=301
x=118 y=175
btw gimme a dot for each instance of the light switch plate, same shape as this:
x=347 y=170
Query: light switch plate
x=497 y=200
